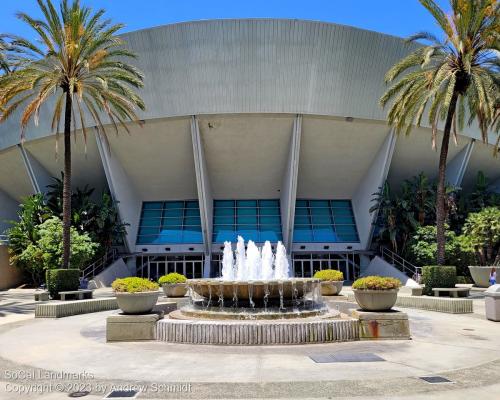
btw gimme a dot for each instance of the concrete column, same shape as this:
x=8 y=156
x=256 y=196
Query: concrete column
x=40 y=178
x=205 y=198
x=8 y=211
x=122 y=190
x=370 y=184
x=289 y=185
x=456 y=167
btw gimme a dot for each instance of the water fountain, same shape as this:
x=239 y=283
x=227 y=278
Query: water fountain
x=254 y=302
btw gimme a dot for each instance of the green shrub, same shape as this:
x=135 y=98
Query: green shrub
x=464 y=279
x=377 y=283
x=481 y=234
x=172 y=278
x=422 y=249
x=329 y=275
x=134 y=285
x=438 y=276
x=62 y=280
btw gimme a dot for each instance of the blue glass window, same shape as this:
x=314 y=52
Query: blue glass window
x=170 y=222
x=257 y=220
x=320 y=221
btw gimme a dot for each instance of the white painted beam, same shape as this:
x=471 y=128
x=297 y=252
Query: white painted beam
x=122 y=190
x=8 y=211
x=370 y=184
x=456 y=167
x=205 y=197
x=40 y=178
x=289 y=185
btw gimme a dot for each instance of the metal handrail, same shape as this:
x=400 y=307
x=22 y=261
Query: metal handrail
x=399 y=262
x=99 y=265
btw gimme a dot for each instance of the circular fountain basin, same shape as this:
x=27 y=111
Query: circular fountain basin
x=256 y=290
x=216 y=313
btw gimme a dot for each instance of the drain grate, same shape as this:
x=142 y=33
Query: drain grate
x=122 y=394
x=345 y=357
x=435 y=379
x=79 y=394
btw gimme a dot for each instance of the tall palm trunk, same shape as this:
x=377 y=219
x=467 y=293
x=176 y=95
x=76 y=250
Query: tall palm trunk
x=441 y=189
x=67 y=182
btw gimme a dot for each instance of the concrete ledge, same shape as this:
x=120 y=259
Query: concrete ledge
x=122 y=327
x=68 y=308
x=382 y=325
x=439 y=304
x=256 y=333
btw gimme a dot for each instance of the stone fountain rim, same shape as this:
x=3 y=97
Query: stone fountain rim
x=209 y=281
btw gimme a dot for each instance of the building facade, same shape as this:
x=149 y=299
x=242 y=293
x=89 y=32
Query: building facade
x=268 y=129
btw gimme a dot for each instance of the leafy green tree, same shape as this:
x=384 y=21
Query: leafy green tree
x=99 y=219
x=24 y=232
x=452 y=80
x=481 y=234
x=80 y=64
x=422 y=249
x=47 y=251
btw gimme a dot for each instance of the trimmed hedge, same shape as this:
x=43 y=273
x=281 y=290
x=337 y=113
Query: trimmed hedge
x=376 y=283
x=172 y=278
x=438 y=276
x=62 y=280
x=133 y=284
x=329 y=275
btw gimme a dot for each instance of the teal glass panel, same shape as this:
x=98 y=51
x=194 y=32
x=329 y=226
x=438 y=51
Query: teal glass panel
x=270 y=211
x=324 y=221
x=223 y=211
x=248 y=218
x=319 y=203
x=151 y=214
x=171 y=222
x=269 y=203
x=180 y=223
x=246 y=203
x=190 y=221
x=174 y=204
x=224 y=220
x=175 y=212
x=192 y=212
x=266 y=220
x=153 y=205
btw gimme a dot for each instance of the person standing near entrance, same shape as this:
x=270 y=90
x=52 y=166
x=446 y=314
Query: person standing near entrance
x=493 y=276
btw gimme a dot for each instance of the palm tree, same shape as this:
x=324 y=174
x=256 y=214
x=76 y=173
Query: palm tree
x=454 y=79
x=80 y=64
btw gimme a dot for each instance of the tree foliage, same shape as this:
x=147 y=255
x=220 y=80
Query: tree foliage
x=482 y=235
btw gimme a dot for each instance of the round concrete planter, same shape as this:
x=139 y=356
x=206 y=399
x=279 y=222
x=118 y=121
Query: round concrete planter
x=481 y=275
x=331 y=288
x=174 y=289
x=376 y=300
x=137 y=303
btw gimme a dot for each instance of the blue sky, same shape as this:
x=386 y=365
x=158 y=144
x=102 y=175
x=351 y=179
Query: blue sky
x=396 y=17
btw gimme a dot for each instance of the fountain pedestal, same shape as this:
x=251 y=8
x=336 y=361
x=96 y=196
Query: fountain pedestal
x=375 y=325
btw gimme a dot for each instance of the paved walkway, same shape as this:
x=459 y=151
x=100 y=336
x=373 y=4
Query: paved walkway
x=462 y=348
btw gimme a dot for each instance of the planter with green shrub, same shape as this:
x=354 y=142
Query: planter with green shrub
x=438 y=276
x=61 y=280
x=376 y=293
x=173 y=284
x=135 y=295
x=332 y=281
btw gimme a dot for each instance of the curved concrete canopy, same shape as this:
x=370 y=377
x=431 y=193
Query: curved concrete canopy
x=255 y=66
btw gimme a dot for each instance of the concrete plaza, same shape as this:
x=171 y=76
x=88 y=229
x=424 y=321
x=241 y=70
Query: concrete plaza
x=461 y=348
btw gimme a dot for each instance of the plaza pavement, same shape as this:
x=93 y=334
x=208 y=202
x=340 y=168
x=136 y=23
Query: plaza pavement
x=462 y=348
